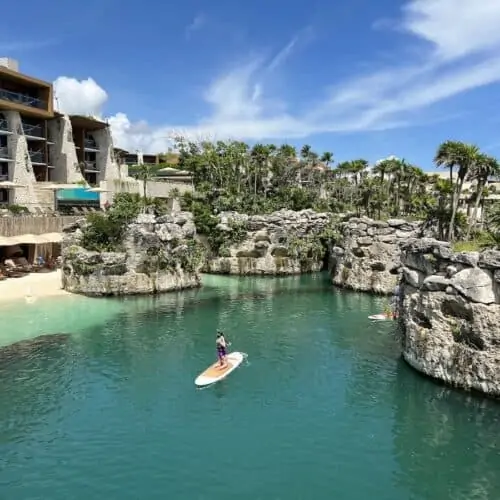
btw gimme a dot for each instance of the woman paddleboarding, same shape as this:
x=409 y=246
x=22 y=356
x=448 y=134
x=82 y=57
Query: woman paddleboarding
x=221 y=344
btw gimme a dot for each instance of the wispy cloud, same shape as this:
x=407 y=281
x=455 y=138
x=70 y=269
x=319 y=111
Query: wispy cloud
x=25 y=45
x=444 y=63
x=283 y=54
x=301 y=38
x=439 y=64
x=196 y=24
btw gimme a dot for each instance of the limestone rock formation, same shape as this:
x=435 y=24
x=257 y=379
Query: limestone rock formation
x=281 y=243
x=158 y=254
x=450 y=314
x=367 y=257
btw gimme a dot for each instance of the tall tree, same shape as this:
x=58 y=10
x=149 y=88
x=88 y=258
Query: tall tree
x=452 y=154
x=485 y=167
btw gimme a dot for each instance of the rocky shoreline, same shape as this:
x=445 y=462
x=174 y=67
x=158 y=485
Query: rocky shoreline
x=159 y=254
x=449 y=305
x=450 y=314
x=367 y=257
x=281 y=243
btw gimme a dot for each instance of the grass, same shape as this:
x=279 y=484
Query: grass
x=468 y=246
x=480 y=242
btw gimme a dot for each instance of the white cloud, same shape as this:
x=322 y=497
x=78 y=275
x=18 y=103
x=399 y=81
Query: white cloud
x=83 y=97
x=454 y=46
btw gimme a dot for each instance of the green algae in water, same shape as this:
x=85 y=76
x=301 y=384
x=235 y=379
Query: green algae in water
x=323 y=409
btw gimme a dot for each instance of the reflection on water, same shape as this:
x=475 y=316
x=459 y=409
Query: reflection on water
x=439 y=431
x=323 y=407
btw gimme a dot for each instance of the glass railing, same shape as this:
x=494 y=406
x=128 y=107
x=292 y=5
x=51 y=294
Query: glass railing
x=33 y=130
x=37 y=156
x=4 y=125
x=91 y=166
x=23 y=99
x=90 y=144
x=4 y=152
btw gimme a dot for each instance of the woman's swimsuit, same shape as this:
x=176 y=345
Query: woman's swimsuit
x=221 y=350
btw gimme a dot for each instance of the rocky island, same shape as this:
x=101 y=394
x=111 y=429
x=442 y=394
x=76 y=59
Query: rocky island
x=281 y=243
x=450 y=314
x=155 y=254
x=367 y=254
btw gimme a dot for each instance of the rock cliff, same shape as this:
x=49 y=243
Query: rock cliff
x=450 y=314
x=367 y=257
x=158 y=254
x=284 y=242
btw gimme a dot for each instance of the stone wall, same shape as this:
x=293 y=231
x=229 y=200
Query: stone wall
x=21 y=169
x=367 y=257
x=284 y=242
x=29 y=224
x=105 y=159
x=450 y=314
x=63 y=151
x=158 y=254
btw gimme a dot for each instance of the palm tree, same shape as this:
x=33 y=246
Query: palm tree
x=357 y=168
x=456 y=154
x=485 y=167
x=327 y=158
x=397 y=168
x=145 y=173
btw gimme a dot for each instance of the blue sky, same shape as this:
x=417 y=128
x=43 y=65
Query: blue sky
x=360 y=78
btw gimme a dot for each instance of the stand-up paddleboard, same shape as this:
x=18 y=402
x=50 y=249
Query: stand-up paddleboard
x=214 y=373
x=380 y=317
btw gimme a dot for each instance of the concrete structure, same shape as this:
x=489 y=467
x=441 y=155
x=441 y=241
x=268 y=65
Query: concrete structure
x=41 y=148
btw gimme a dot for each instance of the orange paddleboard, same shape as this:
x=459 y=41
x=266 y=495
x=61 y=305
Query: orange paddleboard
x=214 y=373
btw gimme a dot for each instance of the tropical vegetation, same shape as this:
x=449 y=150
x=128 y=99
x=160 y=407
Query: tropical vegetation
x=232 y=176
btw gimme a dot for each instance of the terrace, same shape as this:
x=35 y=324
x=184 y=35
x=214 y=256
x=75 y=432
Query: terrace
x=24 y=99
x=34 y=131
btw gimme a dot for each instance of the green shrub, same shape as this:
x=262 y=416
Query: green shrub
x=104 y=232
x=237 y=233
x=17 y=209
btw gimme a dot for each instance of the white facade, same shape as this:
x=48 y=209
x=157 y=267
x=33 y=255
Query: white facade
x=64 y=154
x=54 y=156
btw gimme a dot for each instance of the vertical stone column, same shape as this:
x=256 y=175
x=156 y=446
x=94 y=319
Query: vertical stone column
x=105 y=158
x=65 y=158
x=21 y=170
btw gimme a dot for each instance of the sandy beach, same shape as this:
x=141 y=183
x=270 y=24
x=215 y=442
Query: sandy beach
x=32 y=286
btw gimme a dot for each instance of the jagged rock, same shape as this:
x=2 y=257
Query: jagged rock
x=274 y=244
x=475 y=284
x=435 y=283
x=451 y=323
x=159 y=254
x=370 y=257
x=412 y=277
x=490 y=259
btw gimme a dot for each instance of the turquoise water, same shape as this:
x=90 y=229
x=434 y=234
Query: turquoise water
x=77 y=194
x=322 y=409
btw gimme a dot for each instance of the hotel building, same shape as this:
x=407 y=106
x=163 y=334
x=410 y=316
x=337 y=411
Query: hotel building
x=42 y=150
x=40 y=146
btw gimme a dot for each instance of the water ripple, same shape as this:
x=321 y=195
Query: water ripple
x=323 y=407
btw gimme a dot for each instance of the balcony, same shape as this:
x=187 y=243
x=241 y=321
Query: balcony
x=91 y=166
x=4 y=154
x=37 y=157
x=23 y=99
x=33 y=131
x=90 y=145
x=4 y=127
x=4 y=177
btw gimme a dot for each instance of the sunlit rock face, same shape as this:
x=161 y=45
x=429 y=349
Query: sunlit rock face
x=450 y=314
